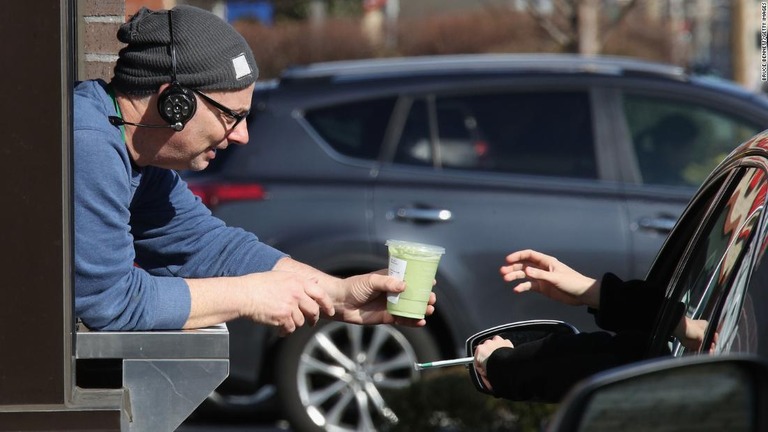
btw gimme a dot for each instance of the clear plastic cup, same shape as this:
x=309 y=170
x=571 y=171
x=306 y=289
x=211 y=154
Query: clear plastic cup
x=416 y=264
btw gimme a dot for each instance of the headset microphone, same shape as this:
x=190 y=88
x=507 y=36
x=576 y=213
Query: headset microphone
x=117 y=121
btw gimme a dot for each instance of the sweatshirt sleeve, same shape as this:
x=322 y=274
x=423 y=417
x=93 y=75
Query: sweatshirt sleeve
x=627 y=306
x=544 y=370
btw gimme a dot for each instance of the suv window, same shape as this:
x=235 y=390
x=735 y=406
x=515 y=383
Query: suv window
x=353 y=129
x=548 y=134
x=678 y=143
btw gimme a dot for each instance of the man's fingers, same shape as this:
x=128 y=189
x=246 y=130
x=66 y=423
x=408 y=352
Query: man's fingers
x=430 y=310
x=309 y=309
x=410 y=322
x=289 y=326
x=321 y=298
x=386 y=283
x=432 y=300
x=298 y=319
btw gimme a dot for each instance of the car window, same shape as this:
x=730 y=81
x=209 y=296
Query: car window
x=353 y=129
x=548 y=134
x=713 y=283
x=678 y=143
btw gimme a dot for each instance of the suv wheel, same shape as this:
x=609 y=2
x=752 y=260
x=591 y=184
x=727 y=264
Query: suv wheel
x=330 y=377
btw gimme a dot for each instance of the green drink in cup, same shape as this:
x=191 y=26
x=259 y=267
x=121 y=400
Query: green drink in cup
x=416 y=264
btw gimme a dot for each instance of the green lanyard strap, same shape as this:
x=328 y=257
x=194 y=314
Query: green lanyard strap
x=111 y=93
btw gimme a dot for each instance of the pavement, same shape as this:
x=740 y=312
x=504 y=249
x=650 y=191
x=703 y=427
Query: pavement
x=195 y=424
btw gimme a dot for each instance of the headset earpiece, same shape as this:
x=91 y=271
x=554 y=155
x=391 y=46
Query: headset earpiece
x=176 y=105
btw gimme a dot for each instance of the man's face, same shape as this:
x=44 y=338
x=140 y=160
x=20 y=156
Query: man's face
x=211 y=129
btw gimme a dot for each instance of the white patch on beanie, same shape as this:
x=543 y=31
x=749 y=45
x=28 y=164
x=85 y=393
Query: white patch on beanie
x=241 y=66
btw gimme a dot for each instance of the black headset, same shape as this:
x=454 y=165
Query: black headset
x=177 y=104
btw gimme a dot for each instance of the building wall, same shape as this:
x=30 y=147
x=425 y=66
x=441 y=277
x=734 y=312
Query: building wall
x=98 y=22
x=96 y=41
x=131 y=6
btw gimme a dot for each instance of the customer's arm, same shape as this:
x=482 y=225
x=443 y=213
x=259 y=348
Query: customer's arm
x=618 y=305
x=544 y=370
x=546 y=275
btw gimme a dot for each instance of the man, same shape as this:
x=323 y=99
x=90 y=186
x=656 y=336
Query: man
x=148 y=254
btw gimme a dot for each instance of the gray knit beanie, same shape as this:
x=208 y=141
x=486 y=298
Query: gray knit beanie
x=210 y=53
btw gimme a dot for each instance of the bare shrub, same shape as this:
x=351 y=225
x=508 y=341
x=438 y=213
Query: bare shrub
x=485 y=31
x=640 y=37
x=296 y=43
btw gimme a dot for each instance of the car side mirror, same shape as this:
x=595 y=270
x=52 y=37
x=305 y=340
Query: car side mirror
x=690 y=393
x=518 y=333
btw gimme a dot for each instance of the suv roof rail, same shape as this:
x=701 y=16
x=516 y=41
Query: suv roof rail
x=451 y=64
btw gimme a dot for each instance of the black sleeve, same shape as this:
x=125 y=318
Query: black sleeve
x=627 y=306
x=544 y=370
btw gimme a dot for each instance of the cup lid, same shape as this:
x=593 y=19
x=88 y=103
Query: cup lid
x=416 y=247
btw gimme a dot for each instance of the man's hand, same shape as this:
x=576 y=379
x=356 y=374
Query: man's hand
x=285 y=300
x=362 y=299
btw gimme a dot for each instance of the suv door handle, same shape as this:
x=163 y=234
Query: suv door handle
x=662 y=224
x=420 y=215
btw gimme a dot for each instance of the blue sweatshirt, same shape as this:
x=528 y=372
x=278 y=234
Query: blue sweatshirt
x=139 y=232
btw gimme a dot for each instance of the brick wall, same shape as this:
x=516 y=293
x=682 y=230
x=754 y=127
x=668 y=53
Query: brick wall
x=131 y=6
x=97 y=44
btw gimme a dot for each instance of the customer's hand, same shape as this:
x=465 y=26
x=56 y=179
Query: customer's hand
x=483 y=351
x=548 y=276
x=690 y=333
x=362 y=299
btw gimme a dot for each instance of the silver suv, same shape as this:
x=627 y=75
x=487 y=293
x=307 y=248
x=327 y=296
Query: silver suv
x=588 y=159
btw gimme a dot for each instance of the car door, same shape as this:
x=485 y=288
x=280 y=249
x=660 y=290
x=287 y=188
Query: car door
x=714 y=262
x=485 y=173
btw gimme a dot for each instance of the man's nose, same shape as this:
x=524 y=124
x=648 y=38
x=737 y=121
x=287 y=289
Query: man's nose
x=239 y=135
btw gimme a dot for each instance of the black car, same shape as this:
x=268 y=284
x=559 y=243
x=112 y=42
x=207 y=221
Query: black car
x=713 y=263
x=727 y=393
x=591 y=160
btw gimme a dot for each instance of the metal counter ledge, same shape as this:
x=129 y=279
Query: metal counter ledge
x=165 y=374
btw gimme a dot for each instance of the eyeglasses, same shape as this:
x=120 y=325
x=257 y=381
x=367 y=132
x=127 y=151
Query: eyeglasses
x=237 y=117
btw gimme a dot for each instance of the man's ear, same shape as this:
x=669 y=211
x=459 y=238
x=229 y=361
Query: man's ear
x=176 y=104
x=162 y=88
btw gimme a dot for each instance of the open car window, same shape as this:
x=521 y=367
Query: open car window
x=710 y=286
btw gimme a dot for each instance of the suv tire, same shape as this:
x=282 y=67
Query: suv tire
x=325 y=373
